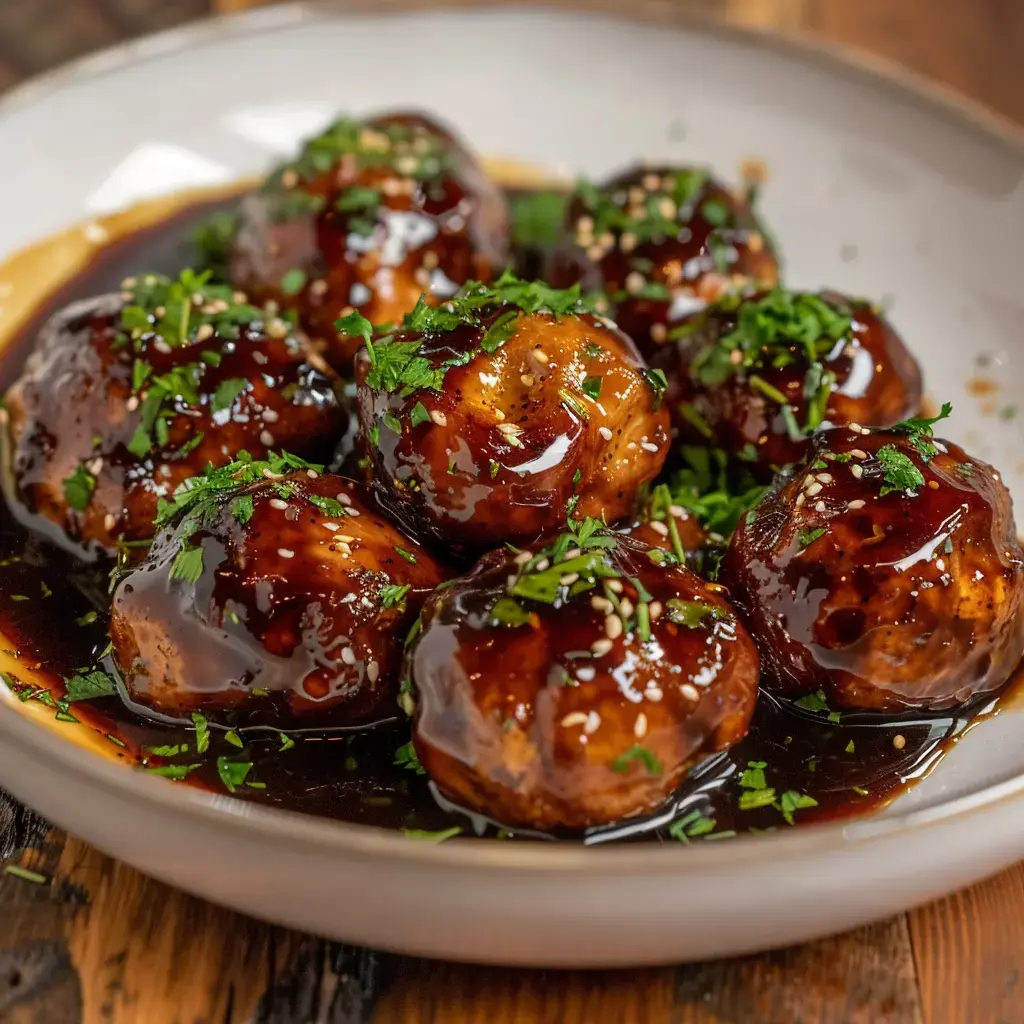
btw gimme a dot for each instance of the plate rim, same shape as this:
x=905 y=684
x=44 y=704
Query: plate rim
x=321 y=834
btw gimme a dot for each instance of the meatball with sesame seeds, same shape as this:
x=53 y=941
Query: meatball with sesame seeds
x=274 y=596
x=369 y=216
x=127 y=395
x=661 y=243
x=575 y=684
x=494 y=417
x=755 y=376
x=885 y=571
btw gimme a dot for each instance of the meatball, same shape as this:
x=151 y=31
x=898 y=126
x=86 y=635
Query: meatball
x=756 y=376
x=125 y=396
x=662 y=242
x=369 y=216
x=498 y=415
x=662 y=524
x=885 y=571
x=576 y=685
x=273 y=600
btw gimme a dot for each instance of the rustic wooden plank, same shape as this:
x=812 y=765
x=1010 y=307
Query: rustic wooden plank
x=969 y=950
x=974 y=47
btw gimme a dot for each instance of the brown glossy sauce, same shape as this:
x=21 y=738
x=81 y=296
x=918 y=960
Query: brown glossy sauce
x=45 y=592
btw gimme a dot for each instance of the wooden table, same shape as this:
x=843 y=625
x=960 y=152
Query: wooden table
x=99 y=943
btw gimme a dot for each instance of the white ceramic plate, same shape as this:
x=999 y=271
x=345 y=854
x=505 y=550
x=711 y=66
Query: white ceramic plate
x=875 y=188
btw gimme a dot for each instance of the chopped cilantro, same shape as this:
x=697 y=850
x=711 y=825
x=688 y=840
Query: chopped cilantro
x=233 y=773
x=202 y=732
x=405 y=757
x=89 y=685
x=691 y=614
x=79 y=488
x=537 y=217
x=805 y=538
x=509 y=612
x=419 y=414
x=393 y=596
x=173 y=771
x=426 y=836
x=637 y=752
x=898 y=472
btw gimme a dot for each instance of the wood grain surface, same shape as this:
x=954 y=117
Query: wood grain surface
x=95 y=942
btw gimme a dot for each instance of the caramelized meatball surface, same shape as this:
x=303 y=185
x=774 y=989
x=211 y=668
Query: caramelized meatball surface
x=492 y=418
x=283 y=601
x=369 y=216
x=575 y=685
x=662 y=242
x=662 y=524
x=755 y=376
x=885 y=572
x=125 y=396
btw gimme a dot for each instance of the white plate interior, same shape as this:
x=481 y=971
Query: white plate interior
x=870 y=191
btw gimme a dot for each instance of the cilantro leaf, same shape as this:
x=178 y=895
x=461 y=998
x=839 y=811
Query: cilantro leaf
x=898 y=471
x=79 y=488
x=637 y=752
x=88 y=686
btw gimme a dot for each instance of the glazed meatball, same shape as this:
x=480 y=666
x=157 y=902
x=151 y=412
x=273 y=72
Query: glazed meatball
x=496 y=416
x=575 y=685
x=885 y=571
x=368 y=217
x=125 y=396
x=757 y=376
x=662 y=242
x=273 y=600
x=664 y=525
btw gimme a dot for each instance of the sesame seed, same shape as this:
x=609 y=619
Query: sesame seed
x=542 y=565
x=574 y=718
x=523 y=557
x=439 y=417
x=278 y=504
x=205 y=331
x=689 y=691
x=649 y=446
x=824 y=478
x=659 y=527
x=269 y=416
x=343 y=497
x=653 y=693
x=527 y=379
x=569 y=579
x=857 y=471
x=96 y=465
x=625 y=608
x=640 y=726
x=499 y=415
x=659 y=332
x=654 y=609
x=600 y=604
x=855 y=427
x=856 y=503
x=606 y=433
x=627 y=241
x=859 y=453
x=615 y=586
x=372 y=671
x=541 y=356
x=613 y=627
x=800 y=499
x=634 y=282
x=899 y=741
x=599 y=648
x=132 y=404
x=318 y=288
x=593 y=723
x=312 y=474
x=819 y=506
x=285 y=553
x=348 y=655
x=333 y=527
x=813 y=489
x=266 y=439
x=109 y=521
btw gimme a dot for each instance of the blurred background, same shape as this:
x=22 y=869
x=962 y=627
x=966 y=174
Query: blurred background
x=973 y=46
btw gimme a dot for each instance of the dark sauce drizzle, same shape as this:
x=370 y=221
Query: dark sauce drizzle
x=55 y=608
